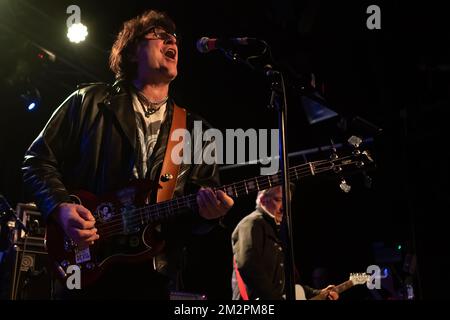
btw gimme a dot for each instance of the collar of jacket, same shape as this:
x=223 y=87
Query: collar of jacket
x=268 y=217
x=119 y=102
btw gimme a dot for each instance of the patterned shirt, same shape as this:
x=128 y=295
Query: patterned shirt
x=147 y=135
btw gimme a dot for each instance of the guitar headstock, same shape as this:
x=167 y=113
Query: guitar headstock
x=359 y=160
x=359 y=278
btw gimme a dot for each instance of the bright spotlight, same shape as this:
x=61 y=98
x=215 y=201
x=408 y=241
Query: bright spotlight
x=77 y=32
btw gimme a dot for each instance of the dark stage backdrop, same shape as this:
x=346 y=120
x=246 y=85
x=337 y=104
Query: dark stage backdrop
x=397 y=78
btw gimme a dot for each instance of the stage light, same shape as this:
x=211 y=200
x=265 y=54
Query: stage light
x=31 y=99
x=316 y=110
x=77 y=32
x=31 y=106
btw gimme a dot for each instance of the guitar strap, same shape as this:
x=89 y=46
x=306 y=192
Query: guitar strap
x=169 y=170
x=241 y=284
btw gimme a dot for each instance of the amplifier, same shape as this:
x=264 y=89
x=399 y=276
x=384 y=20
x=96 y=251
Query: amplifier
x=35 y=223
x=29 y=275
x=28 y=261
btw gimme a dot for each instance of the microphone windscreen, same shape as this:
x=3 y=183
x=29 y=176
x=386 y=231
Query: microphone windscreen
x=205 y=44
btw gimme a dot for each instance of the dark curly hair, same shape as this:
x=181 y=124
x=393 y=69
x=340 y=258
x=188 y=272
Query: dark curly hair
x=121 y=59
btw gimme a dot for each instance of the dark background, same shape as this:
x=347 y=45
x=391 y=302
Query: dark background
x=397 y=78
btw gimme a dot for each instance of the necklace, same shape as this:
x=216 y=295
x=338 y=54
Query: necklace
x=150 y=107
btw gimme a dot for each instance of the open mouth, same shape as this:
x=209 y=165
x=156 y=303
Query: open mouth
x=171 y=53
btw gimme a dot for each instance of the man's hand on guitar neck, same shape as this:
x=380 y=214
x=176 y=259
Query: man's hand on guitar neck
x=329 y=293
x=77 y=222
x=213 y=205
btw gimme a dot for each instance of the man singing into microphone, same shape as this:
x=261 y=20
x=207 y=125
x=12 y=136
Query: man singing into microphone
x=103 y=136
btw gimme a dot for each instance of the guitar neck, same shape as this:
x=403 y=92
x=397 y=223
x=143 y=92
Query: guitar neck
x=167 y=209
x=160 y=212
x=344 y=286
x=339 y=289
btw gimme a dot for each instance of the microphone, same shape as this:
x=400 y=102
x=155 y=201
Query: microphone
x=205 y=44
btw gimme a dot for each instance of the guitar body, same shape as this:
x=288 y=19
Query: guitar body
x=125 y=234
x=299 y=292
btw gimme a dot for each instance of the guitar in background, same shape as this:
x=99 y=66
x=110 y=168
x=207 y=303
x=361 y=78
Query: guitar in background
x=354 y=279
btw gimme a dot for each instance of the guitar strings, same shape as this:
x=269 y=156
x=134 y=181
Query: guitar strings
x=139 y=215
x=164 y=211
x=186 y=202
x=171 y=210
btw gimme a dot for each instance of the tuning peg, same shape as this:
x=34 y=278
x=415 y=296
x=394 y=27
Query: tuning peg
x=355 y=141
x=334 y=154
x=368 y=156
x=337 y=169
x=345 y=186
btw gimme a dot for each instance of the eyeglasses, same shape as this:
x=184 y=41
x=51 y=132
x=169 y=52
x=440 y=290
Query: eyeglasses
x=163 y=35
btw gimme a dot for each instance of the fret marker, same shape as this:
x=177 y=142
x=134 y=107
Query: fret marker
x=251 y=185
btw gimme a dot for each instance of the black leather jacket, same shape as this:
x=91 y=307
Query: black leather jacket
x=90 y=144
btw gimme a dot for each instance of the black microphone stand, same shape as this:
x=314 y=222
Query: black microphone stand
x=7 y=213
x=278 y=101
